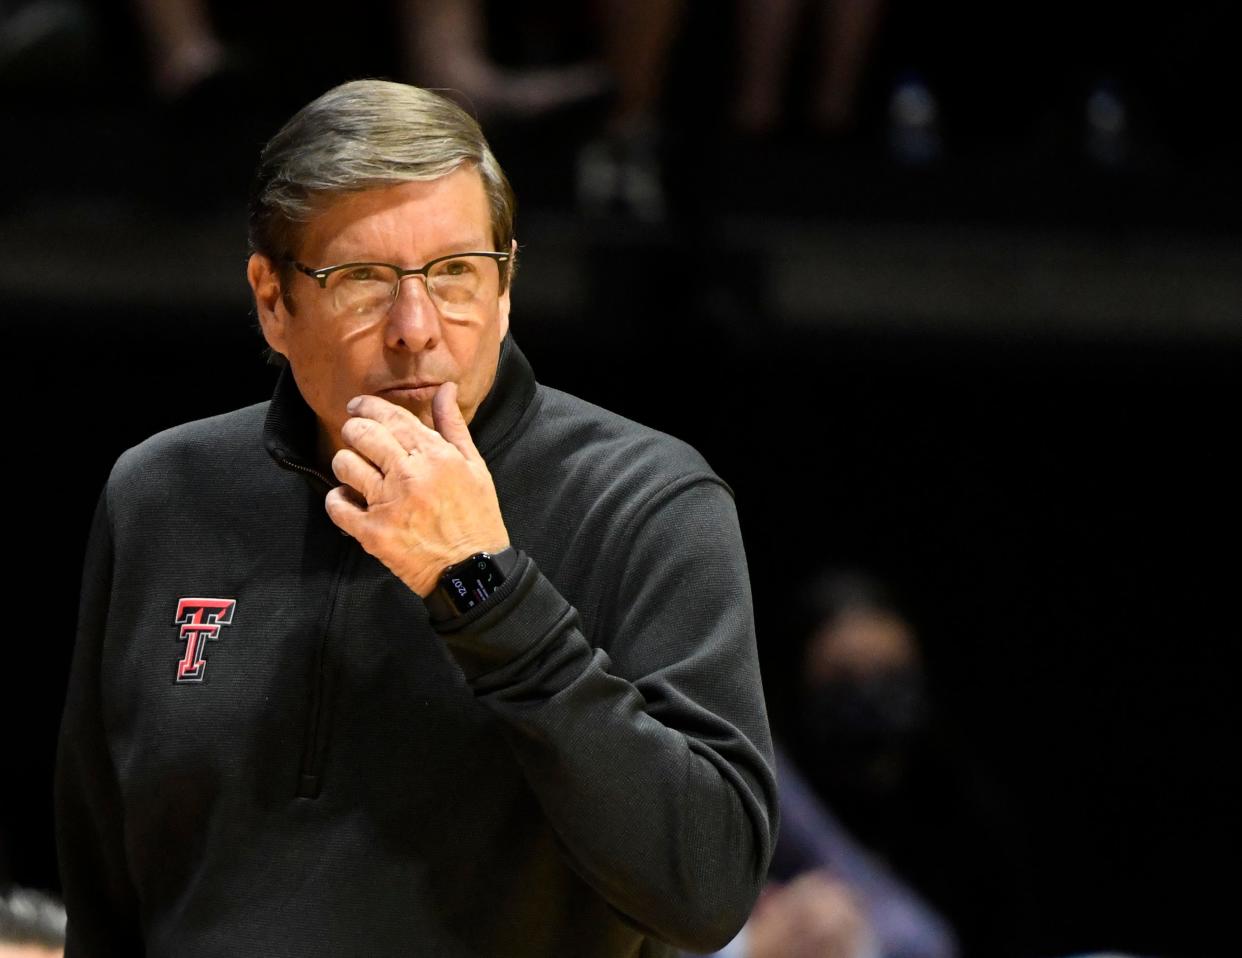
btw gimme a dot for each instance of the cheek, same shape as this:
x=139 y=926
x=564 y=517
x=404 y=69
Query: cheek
x=329 y=373
x=484 y=360
x=470 y=348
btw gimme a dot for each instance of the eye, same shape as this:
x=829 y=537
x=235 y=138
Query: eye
x=456 y=267
x=360 y=274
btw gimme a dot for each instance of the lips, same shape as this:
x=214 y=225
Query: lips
x=414 y=384
x=415 y=391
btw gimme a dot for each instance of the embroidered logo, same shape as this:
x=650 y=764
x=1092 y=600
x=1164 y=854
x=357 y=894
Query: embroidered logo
x=200 y=620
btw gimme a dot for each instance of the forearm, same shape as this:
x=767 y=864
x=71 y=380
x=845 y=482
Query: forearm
x=653 y=767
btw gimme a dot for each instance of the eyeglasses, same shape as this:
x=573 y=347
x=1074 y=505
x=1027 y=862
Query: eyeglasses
x=455 y=283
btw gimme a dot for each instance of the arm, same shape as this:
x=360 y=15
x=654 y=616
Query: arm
x=102 y=905
x=652 y=759
x=647 y=744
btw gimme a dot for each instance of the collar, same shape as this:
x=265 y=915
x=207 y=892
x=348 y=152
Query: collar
x=291 y=431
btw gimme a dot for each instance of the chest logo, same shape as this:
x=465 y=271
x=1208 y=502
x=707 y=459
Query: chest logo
x=200 y=620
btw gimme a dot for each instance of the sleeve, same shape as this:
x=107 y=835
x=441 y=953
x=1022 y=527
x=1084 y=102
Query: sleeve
x=653 y=759
x=99 y=897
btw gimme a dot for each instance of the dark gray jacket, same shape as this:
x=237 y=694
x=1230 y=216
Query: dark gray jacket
x=579 y=767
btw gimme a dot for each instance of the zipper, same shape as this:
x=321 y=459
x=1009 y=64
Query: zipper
x=314 y=748
x=305 y=469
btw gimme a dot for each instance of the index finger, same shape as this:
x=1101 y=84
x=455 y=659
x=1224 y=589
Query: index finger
x=372 y=440
x=406 y=427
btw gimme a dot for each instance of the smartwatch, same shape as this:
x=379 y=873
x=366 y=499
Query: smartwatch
x=465 y=584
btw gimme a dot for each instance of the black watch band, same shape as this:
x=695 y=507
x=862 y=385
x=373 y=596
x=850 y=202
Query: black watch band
x=465 y=584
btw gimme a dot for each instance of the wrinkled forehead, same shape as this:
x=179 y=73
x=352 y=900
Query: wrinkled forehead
x=448 y=213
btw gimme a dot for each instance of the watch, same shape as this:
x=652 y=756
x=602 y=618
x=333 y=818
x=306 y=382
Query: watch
x=465 y=584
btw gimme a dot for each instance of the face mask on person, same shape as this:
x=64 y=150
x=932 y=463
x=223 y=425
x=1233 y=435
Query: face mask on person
x=863 y=725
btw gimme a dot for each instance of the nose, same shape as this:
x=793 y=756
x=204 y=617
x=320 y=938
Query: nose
x=413 y=322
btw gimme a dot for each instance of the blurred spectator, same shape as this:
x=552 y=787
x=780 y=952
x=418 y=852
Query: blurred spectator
x=875 y=749
x=843 y=35
x=901 y=924
x=40 y=38
x=845 y=30
x=184 y=48
x=446 y=47
x=619 y=172
x=904 y=866
x=830 y=896
x=32 y=925
x=914 y=137
x=813 y=916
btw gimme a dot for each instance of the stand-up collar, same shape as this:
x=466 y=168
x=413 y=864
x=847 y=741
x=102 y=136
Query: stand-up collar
x=506 y=402
x=291 y=431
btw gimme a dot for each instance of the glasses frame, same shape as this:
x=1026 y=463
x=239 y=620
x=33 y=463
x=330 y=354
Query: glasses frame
x=321 y=274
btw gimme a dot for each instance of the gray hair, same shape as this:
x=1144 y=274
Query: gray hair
x=364 y=135
x=32 y=918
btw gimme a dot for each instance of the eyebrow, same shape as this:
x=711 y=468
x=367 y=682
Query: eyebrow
x=447 y=249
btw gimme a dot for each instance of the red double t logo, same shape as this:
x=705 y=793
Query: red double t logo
x=200 y=620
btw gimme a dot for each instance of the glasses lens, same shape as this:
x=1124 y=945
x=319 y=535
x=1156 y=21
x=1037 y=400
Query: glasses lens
x=363 y=289
x=456 y=284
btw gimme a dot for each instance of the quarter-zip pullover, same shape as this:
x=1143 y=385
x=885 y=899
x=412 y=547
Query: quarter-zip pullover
x=267 y=749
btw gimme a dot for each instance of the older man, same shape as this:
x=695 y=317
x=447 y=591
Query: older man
x=492 y=691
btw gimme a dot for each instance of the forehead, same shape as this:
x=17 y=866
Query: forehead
x=420 y=218
x=862 y=642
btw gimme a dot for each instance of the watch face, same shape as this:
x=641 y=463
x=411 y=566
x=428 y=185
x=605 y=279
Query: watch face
x=469 y=583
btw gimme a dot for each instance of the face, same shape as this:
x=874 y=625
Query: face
x=403 y=354
x=859 y=643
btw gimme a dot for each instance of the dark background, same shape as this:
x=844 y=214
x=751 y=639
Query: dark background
x=1004 y=383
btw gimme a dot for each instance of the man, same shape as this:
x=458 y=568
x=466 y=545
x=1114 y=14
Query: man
x=493 y=691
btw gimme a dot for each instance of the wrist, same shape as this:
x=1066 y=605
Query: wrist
x=464 y=585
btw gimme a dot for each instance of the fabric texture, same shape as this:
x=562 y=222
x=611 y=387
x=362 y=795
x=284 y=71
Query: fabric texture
x=579 y=766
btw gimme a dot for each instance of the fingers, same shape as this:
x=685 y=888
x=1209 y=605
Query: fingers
x=346 y=511
x=410 y=431
x=446 y=414
x=359 y=474
x=374 y=441
x=405 y=427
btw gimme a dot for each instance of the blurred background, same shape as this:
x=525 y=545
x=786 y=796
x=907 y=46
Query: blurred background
x=949 y=294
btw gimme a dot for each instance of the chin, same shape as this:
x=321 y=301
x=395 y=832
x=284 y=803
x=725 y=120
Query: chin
x=422 y=411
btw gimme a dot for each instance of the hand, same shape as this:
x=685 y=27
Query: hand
x=417 y=499
x=814 y=916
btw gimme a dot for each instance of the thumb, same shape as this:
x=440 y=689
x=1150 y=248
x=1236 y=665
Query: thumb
x=449 y=422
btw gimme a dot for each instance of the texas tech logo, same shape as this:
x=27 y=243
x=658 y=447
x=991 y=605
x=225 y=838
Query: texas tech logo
x=200 y=620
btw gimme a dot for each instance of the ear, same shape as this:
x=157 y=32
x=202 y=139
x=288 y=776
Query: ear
x=504 y=297
x=265 y=284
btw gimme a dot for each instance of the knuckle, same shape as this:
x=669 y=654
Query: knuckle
x=381 y=410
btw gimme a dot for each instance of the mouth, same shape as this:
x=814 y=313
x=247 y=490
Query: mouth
x=415 y=391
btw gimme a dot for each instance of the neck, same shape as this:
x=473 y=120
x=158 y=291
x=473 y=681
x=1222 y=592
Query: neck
x=325 y=449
